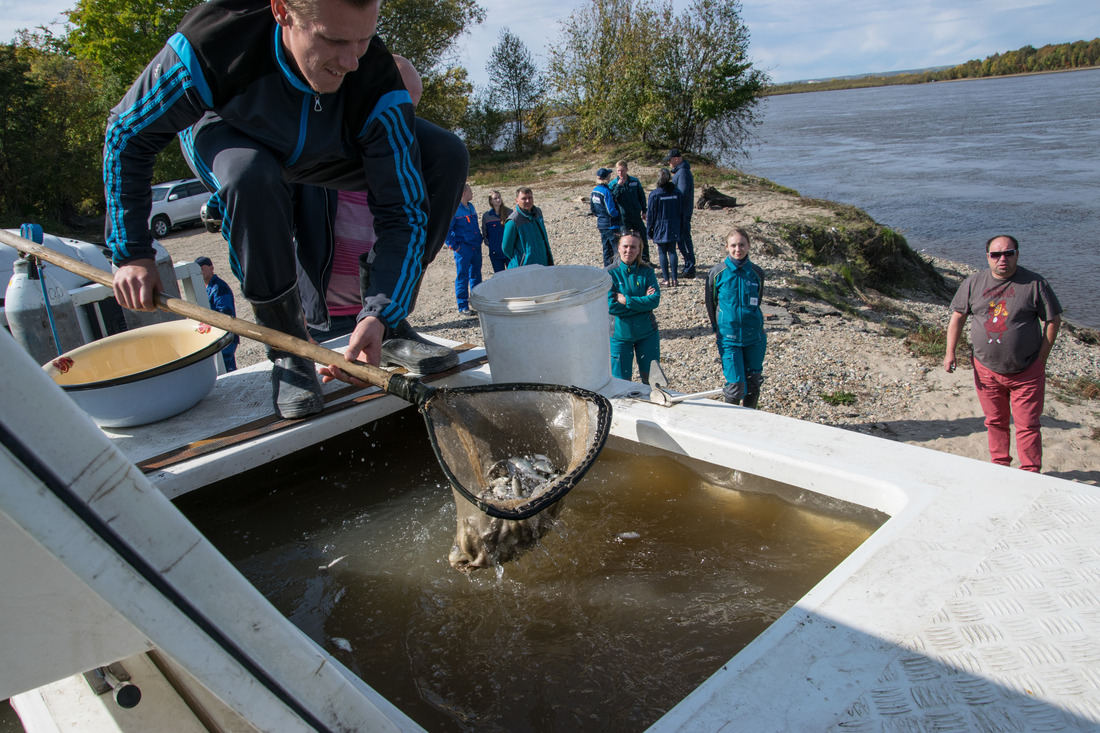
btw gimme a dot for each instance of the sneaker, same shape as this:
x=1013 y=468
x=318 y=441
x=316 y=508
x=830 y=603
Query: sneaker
x=468 y=312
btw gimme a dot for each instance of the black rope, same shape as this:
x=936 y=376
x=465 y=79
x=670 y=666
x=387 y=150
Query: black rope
x=68 y=497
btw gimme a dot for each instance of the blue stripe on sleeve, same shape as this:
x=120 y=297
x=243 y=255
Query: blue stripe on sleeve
x=385 y=103
x=412 y=188
x=179 y=43
x=167 y=89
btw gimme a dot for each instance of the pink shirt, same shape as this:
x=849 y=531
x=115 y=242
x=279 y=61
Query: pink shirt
x=354 y=236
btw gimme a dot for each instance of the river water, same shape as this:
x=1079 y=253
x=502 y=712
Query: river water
x=951 y=164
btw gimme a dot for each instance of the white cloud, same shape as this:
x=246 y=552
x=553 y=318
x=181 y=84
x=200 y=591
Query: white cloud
x=795 y=39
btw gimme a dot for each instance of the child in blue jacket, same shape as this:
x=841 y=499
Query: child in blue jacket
x=464 y=239
x=734 y=293
x=633 y=297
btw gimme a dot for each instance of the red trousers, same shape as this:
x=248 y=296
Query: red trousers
x=1017 y=397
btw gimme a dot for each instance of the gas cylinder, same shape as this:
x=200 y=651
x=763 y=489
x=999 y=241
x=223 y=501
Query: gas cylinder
x=29 y=316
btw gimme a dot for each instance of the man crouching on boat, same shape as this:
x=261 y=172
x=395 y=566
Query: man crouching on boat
x=263 y=94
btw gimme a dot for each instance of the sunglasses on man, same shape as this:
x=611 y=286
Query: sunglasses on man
x=1002 y=253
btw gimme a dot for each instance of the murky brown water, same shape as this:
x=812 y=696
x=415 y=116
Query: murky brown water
x=654 y=579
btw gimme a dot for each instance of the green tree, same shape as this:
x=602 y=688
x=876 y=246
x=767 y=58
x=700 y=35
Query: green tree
x=482 y=123
x=18 y=135
x=51 y=135
x=517 y=87
x=704 y=80
x=634 y=69
x=585 y=67
x=446 y=96
x=425 y=32
x=122 y=36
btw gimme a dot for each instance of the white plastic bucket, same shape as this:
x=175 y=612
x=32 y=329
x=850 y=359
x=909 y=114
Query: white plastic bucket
x=548 y=325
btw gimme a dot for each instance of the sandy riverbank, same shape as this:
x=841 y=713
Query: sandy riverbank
x=814 y=349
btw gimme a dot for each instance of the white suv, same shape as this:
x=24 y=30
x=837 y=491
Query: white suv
x=176 y=203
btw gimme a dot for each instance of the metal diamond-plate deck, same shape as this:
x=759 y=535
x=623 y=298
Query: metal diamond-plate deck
x=1017 y=646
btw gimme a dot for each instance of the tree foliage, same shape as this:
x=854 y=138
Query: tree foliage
x=445 y=97
x=636 y=69
x=425 y=32
x=51 y=137
x=587 y=67
x=123 y=35
x=482 y=123
x=517 y=88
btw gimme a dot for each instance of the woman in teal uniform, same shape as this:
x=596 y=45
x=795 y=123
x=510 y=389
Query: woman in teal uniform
x=633 y=297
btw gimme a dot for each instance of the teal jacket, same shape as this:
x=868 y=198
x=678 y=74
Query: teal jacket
x=525 y=241
x=734 y=294
x=634 y=320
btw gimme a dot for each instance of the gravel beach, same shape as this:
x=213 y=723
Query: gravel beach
x=815 y=350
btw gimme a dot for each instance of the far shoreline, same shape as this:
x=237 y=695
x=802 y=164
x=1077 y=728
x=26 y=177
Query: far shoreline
x=858 y=87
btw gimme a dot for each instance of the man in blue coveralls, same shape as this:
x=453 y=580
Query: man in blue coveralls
x=464 y=239
x=609 y=219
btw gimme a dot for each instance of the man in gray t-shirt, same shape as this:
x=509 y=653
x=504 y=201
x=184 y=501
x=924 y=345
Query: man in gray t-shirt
x=1016 y=319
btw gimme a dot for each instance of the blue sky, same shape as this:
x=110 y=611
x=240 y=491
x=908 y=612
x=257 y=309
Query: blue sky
x=790 y=39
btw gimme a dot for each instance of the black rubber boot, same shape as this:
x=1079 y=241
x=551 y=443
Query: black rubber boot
x=405 y=347
x=752 y=389
x=733 y=392
x=295 y=389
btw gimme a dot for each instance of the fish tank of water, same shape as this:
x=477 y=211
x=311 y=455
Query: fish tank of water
x=657 y=571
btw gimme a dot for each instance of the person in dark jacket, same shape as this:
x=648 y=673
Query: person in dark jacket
x=264 y=94
x=685 y=183
x=464 y=239
x=220 y=297
x=631 y=198
x=334 y=235
x=609 y=220
x=492 y=229
x=734 y=294
x=666 y=217
x=525 y=241
x=632 y=299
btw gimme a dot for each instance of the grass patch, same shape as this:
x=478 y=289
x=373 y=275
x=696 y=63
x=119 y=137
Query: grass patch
x=1085 y=388
x=894 y=332
x=1076 y=390
x=838 y=398
x=864 y=254
x=844 y=212
x=927 y=342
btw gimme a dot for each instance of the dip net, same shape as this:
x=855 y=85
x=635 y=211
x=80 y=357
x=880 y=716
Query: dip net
x=515 y=449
